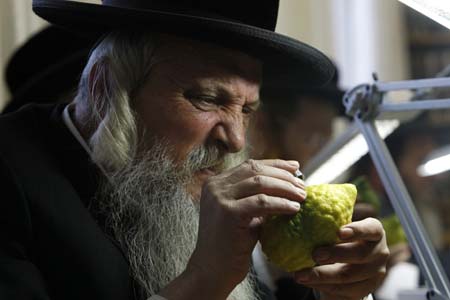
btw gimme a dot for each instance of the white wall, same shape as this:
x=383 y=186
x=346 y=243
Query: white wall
x=18 y=23
x=361 y=36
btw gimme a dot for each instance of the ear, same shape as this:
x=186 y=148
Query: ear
x=98 y=86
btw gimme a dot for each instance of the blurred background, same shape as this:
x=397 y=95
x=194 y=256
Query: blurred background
x=361 y=37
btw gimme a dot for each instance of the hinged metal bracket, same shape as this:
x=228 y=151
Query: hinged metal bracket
x=362 y=101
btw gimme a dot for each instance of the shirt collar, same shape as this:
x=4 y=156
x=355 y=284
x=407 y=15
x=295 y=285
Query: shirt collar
x=67 y=119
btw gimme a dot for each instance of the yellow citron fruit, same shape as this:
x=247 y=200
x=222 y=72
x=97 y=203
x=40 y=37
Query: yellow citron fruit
x=394 y=230
x=289 y=240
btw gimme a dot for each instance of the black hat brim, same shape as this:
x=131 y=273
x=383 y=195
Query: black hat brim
x=330 y=94
x=287 y=62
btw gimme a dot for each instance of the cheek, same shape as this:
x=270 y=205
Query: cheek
x=186 y=131
x=193 y=129
x=175 y=122
x=191 y=124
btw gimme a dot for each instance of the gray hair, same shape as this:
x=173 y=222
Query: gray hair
x=118 y=66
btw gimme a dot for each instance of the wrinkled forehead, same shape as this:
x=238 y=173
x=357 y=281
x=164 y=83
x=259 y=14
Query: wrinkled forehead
x=208 y=59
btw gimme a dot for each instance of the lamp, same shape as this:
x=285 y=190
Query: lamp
x=365 y=104
x=346 y=152
x=438 y=161
x=437 y=10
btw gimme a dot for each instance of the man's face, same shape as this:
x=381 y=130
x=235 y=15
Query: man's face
x=198 y=95
x=308 y=131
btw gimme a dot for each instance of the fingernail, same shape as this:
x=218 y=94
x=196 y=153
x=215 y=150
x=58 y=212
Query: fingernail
x=321 y=255
x=294 y=205
x=299 y=182
x=346 y=233
x=302 y=192
x=302 y=277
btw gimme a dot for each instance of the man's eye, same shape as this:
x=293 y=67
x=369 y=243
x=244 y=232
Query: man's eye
x=204 y=99
x=199 y=97
x=248 y=110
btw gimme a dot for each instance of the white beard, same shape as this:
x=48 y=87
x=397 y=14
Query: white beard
x=155 y=220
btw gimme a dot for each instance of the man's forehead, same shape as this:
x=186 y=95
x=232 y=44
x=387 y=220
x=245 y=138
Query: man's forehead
x=203 y=56
x=229 y=87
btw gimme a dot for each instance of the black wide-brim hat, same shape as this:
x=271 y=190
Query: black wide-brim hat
x=45 y=67
x=242 y=25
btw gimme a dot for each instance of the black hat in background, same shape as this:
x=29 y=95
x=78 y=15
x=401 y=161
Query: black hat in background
x=432 y=123
x=286 y=99
x=246 y=26
x=47 y=66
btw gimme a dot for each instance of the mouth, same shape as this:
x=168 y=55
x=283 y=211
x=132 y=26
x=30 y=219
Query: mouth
x=209 y=171
x=201 y=176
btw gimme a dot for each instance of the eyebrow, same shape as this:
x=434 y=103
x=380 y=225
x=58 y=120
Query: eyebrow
x=216 y=86
x=255 y=105
x=222 y=89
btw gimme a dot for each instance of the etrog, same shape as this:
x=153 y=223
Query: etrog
x=366 y=193
x=289 y=240
x=394 y=230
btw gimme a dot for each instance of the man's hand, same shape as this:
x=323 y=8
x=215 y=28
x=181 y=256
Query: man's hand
x=232 y=206
x=352 y=269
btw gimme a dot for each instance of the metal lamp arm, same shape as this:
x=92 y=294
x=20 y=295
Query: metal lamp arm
x=364 y=103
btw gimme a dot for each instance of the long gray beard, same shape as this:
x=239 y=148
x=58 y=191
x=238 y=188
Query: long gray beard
x=155 y=220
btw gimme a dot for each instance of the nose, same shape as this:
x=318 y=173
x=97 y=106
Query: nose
x=229 y=134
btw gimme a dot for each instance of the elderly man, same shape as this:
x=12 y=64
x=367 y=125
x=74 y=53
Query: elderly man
x=138 y=187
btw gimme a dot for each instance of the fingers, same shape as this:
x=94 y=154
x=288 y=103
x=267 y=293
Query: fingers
x=255 y=189
x=340 y=273
x=354 y=252
x=270 y=177
x=350 y=270
x=289 y=165
x=364 y=243
x=369 y=229
x=263 y=205
x=261 y=184
x=276 y=168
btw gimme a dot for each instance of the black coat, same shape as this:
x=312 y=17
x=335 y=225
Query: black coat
x=50 y=245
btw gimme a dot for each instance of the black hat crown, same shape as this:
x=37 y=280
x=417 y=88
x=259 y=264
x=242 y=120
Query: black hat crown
x=258 y=13
x=243 y=25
